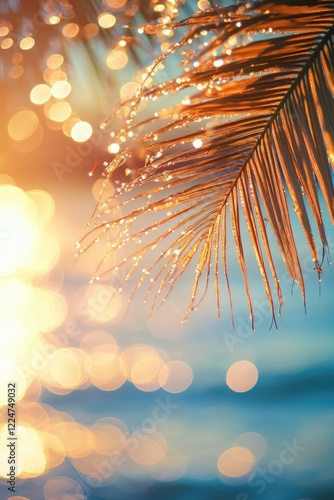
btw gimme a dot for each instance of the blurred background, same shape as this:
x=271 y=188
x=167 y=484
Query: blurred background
x=112 y=403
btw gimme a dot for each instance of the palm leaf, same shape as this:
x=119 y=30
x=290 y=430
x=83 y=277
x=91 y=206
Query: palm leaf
x=249 y=116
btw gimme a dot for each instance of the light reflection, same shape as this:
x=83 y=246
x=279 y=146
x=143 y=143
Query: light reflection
x=54 y=61
x=81 y=131
x=4 y=30
x=22 y=125
x=138 y=355
x=16 y=71
x=40 y=94
x=242 y=376
x=58 y=111
x=149 y=450
x=53 y=20
x=77 y=439
x=235 y=462
x=171 y=468
x=26 y=310
x=68 y=125
x=70 y=30
x=32 y=142
x=29 y=314
x=117 y=59
x=129 y=89
x=103 y=189
x=106 y=20
x=107 y=371
x=54 y=450
x=57 y=487
x=253 y=442
x=68 y=367
x=52 y=76
x=61 y=89
x=98 y=303
x=45 y=206
x=109 y=440
x=18 y=231
x=27 y=43
x=114 y=148
x=6 y=43
x=145 y=372
x=197 y=143
x=44 y=311
x=175 y=376
x=116 y=4
x=90 y=29
x=32 y=461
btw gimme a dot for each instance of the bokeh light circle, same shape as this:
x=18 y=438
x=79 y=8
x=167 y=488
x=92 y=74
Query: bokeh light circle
x=253 y=442
x=22 y=125
x=235 y=462
x=40 y=94
x=175 y=376
x=242 y=376
x=81 y=131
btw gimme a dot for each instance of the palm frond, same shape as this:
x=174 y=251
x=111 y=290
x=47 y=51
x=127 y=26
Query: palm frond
x=249 y=115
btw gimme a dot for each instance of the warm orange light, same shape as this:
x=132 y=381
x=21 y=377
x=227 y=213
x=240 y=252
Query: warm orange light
x=27 y=43
x=98 y=303
x=254 y=442
x=44 y=311
x=4 y=30
x=53 y=20
x=32 y=460
x=176 y=376
x=52 y=76
x=106 y=20
x=81 y=131
x=242 y=376
x=107 y=371
x=67 y=367
x=113 y=148
x=204 y=4
x=147 y=450
x=235 y=462
x=40 y=94
x=18 y=231
x=116 y=4
x=6 y=43
x=117 y=59
x=93 y=340
x=103 y=188
x=59 y=111
x=54 y=61
x=145 y=372
x=68 y=125
x=22 y=125
x=91 y=29
x=77 y=439
x=61 y=89
x=109 y=440
x=129 y=89
x=54 y=449
x=16 y=71
x=70 y=30
x=44 y=204
x=55 y=487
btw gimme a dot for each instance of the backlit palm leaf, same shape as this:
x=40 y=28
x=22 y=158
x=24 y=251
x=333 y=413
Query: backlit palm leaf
x=249 y=115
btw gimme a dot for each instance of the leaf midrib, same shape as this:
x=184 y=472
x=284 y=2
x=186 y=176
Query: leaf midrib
x=313 y=57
